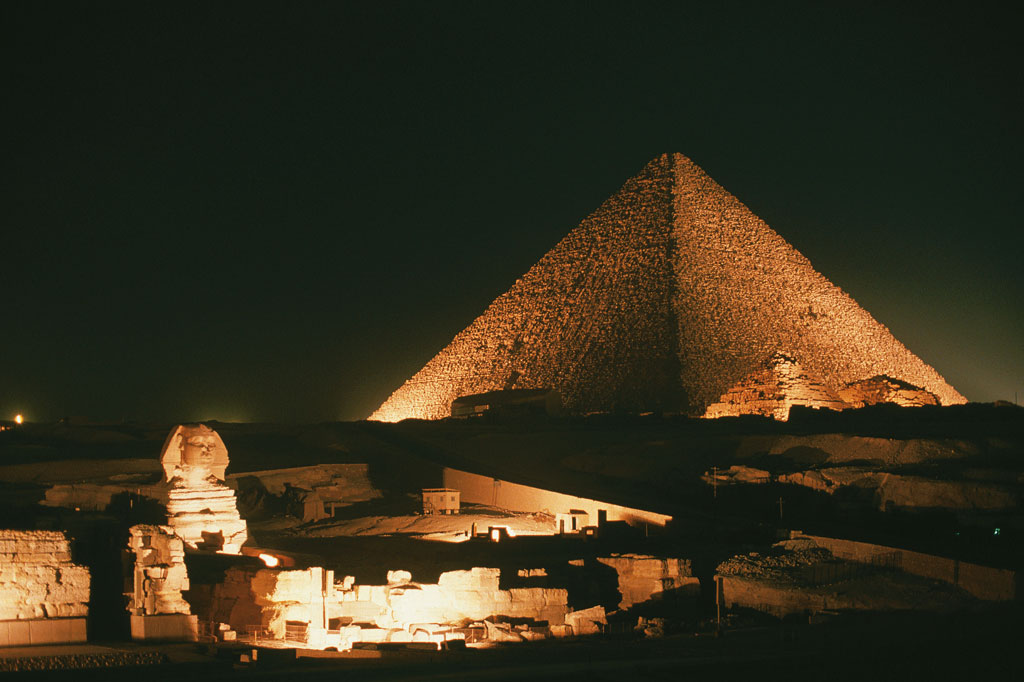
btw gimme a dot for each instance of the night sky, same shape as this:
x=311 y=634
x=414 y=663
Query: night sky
x=280 y=212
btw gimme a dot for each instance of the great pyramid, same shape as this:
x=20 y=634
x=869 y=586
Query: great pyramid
x=663 y=299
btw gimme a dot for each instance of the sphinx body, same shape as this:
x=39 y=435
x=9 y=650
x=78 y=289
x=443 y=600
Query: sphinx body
x=201 y=510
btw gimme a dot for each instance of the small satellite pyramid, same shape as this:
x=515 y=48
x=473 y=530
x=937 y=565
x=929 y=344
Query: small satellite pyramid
x=665 y=298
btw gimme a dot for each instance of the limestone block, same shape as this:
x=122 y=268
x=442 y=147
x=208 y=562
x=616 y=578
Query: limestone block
x=587 y=621
x=477 y=578
x=165 y=627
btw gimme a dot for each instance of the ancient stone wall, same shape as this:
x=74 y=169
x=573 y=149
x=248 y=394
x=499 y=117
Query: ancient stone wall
x=275 y=598
x=38 y=578
x=662 y=299
x=643 y=577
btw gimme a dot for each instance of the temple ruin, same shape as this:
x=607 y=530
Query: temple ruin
x=663 y=299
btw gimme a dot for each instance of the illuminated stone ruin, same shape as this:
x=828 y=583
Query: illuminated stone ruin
x=883 y=389
x=200 y=508
x=44 y=597
x=156 y=605
x=773 y=390
x=312 y=608
x=664 y=298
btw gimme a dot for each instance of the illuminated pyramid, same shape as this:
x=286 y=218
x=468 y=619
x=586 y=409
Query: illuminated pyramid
x=664 y=298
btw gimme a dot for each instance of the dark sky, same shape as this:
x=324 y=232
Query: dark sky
x=279 y=212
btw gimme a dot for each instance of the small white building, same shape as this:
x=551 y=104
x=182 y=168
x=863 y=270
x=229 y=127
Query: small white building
x=440 y=501
x=573 y=521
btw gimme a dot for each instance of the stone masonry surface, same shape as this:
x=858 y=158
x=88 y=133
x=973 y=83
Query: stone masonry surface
x=663 y=299
x=37 y=577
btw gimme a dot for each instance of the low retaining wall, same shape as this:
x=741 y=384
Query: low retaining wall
x=991 y=584
x=523 y=498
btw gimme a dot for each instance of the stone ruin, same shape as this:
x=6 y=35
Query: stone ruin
x=643 y=577
x=783 y=383
x=663 y=299
x=773 y=390
x=44 y=596
x=158 y=609
x=201 y=509
x=312 y=608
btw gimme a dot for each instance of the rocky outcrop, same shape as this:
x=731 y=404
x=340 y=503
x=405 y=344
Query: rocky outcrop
x=663 y=299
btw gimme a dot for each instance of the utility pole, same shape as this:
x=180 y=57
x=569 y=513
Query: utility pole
x=714 y=482
x=780 y=507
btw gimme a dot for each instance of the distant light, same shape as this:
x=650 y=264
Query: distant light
x=996 y=531
x=270 y=560
x=18 y=419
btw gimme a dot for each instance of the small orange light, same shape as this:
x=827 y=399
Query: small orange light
x=270 y=560
x=18 y=419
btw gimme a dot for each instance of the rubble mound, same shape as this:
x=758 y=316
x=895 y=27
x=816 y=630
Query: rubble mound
x=663 y=299
x=779 y=566
x=883 y=389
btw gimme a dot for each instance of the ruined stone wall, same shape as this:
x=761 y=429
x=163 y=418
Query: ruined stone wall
x=643 y=577
x=662 y=299
x=38 y=578
x=983 y=582
x=272 y=598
